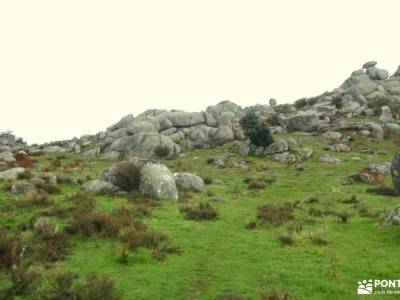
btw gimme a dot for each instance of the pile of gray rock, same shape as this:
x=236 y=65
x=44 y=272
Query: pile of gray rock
x=150 y=178
x=156 y=133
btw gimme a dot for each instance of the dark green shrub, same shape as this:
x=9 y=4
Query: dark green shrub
x=257 y=131
x=162 y=151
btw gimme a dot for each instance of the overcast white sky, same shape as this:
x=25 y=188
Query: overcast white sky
x=73 y=67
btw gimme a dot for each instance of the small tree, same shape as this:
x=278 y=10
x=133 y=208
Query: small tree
x=257 y=131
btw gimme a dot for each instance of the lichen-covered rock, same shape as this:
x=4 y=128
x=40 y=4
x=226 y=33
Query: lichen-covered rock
x=12 y=174
x=189 y=182
x=395 y=171
x=302 y=121
x=157 y=182
x=102 y=187
x=7 y=156
x=145 y=145
x=22 y=187
x=123 y=123
x=376 y=131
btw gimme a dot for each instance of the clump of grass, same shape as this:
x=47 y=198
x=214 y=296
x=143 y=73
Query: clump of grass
x=33 y=198
x=383 y=190
x=99 y=287
x=96 y=223
x=287 y=240
x=201 y=211
x=136 y=238
x=160 y=252
x=67 y=285
x=10 y=248
x=295 y=227
x=124 y=257
x=342 y=217
x=249 y=225
x=276 y=295
x=352 y=200
x=22 y=282
x=312 y=200
x=257 y=184
x=315 y=212
x=275 y=214
x=83 y=201
x=317 y=238
x=230 y=297
x=61 y=288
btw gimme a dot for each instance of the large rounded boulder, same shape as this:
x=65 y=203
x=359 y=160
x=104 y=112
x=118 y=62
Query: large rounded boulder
x=157 y=182
x=189 y=182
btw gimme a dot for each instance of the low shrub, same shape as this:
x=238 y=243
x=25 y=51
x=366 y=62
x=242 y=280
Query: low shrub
x=315 y=212
x=98 y=288
x=24 y=161
x=317 y=238
x=250 y=225
x=383 y=190
x=126 y=174
x=256 y=130
x=312 y=200
x=276 y=215
x=276 y=296
x=286 y=240
x=61 y=287
x=207 y=180
x=162 y=151
x=135 y=238
x=10 y=248
x=23 y=282
x=97 y=223
x=202 y=211
x=33 y=198
x=257 y=184
x=352 y=200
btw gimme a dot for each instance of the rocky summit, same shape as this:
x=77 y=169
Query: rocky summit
x=272 y=201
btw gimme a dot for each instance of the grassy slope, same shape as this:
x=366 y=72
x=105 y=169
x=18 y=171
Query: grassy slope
x=221 y=256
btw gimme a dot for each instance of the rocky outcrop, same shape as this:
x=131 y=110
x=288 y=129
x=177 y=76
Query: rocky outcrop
x=146 y=145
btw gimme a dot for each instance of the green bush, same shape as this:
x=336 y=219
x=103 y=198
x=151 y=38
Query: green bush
x=257 y=131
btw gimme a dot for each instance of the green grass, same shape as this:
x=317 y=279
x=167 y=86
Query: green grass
x=221 y=256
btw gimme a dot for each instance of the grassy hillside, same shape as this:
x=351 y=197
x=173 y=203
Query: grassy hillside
x=325 y=239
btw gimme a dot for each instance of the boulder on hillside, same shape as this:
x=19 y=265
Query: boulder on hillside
x=302 y=121
x=12 y=174
x=140 y=127
x=123 y=123
x=189 y=182
x=157 y=182
x=146 y=145
x=386 y=115
x=7 y=157
x=395 y=171
x=102 y=187
x=54 y=149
